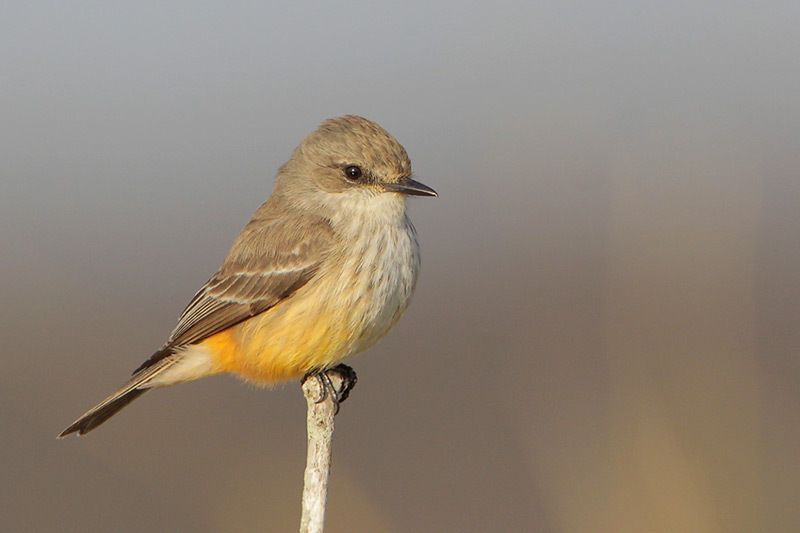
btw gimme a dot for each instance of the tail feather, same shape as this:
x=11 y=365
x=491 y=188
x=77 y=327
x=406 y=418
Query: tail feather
x=138 y=385
x=99 y=414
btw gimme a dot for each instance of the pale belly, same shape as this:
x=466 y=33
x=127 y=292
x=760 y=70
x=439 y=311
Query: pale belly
x=352 y=302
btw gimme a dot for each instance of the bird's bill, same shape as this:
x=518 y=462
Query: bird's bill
x=410 y=187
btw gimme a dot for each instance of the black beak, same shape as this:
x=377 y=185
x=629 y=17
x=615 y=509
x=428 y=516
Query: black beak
x=410 y=187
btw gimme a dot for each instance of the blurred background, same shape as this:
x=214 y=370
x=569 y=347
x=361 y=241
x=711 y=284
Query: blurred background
x=604 y=336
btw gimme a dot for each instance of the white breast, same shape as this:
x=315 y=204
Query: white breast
x=379 y=268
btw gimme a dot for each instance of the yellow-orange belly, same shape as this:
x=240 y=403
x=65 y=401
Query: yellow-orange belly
x=281 y=344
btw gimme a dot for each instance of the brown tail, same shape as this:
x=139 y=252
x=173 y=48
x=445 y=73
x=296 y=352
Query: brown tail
x=99 y=414
x=138 y=385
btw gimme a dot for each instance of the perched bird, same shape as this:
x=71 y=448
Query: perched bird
x=325 y=267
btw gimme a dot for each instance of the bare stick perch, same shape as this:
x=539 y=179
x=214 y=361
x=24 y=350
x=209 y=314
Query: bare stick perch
x=319 y=422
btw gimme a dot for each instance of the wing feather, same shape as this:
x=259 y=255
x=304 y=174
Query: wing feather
x=270 y=260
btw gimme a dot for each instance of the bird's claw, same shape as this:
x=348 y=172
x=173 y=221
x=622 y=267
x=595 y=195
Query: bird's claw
x=340 y=394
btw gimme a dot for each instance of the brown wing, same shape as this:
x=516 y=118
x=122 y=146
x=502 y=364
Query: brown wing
x=270 y=260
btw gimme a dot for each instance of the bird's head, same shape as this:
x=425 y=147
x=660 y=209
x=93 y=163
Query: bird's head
x=349 y=157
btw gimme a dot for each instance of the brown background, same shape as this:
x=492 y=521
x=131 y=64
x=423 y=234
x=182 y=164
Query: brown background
x=604 y=336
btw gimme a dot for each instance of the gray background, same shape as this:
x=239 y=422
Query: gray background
x=604 y=336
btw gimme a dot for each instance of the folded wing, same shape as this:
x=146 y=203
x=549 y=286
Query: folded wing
x=269 y=261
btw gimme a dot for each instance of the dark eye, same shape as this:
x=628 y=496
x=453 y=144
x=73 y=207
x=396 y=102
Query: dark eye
x=352 y=172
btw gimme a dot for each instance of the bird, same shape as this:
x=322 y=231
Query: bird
x=323 y=269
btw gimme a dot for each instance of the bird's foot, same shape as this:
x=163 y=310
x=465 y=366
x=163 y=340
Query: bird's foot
x=339 y=394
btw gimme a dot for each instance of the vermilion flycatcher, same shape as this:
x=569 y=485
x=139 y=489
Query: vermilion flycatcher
x=324 y=269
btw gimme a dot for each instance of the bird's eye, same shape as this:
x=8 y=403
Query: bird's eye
x=352 y=172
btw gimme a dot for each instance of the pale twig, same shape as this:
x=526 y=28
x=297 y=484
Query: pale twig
x=319 y=421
